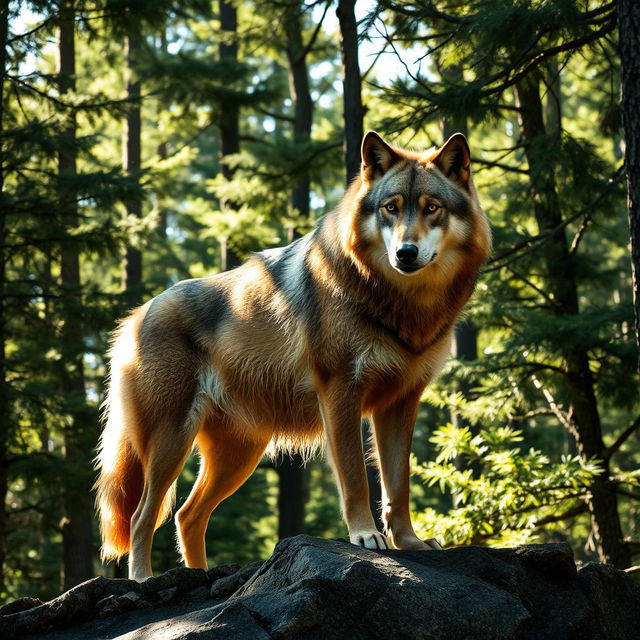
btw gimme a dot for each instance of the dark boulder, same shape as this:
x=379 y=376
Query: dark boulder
x=329 y=589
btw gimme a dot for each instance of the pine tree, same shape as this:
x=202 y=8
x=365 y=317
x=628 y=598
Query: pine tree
x=132 y=153
x=352 y=87
x=229 y=121
x=5 y=390
x=629 y=25
x=535 y=287
x=293 y=477
x=79 y=434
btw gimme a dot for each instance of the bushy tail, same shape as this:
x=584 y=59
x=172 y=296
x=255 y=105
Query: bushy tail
x=120 y=481
x=121 y=476
x=119 y=488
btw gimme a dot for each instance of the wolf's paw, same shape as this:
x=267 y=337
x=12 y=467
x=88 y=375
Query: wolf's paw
x=369 y=539
x=415 y=544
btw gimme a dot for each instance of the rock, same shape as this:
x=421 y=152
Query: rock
x=132 y=600
x=167 y=595
x=224 y=587
x=313 y=589
x=222 y=570
x=182 y=578
x=614 y=595
x=100 y=598
x=21 y=604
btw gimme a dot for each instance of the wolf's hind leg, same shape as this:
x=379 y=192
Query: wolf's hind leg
x=168 y=450
x=227 y=459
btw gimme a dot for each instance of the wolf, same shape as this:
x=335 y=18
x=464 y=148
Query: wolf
x=294 y=347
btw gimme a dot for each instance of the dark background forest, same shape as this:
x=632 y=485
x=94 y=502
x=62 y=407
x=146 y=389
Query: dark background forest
x=147 y=142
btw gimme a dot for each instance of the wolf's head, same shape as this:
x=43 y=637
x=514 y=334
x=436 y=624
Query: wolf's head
x=422 y=207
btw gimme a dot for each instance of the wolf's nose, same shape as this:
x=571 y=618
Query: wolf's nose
x=407 y=253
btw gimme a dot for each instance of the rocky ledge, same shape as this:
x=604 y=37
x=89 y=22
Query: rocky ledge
x=329 y=589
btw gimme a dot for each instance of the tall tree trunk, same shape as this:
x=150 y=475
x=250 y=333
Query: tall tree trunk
x=629 y=36
x=465 y=340
x=229 y=121
x=162 y=150
x=553 y=127
x=131 y=161
x=351 y=87
x=78 y=518
x=553 y=106
x=293 y=493
x=561 y=284
x=5 y=392
x=291 y=471
x=302 y=105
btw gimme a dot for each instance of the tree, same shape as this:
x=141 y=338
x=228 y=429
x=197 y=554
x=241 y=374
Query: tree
x=537 y=299
x=293 y=476
x=53 y=208
x=629 y=25
x=351 y=87
x=132 y=153
x=229 y=121
x=5 y=391
x=582 y=415
x=79 y=436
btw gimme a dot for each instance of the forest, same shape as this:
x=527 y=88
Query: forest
x=143 y=143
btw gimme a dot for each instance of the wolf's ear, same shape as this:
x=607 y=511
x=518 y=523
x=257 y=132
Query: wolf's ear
x=377 y=157
x=454 y=160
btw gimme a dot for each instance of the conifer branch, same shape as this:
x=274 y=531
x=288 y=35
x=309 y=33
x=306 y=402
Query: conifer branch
x=543 y=237
x=26 y=34
x=579 y=234
x=314 y=36
x=543 y=55
x=569 y=513
x=489 y=164
x=81 y=106
x=620 y=440
x=563 y=416
x=535 y=287
x=628 y=494
x=275 y=116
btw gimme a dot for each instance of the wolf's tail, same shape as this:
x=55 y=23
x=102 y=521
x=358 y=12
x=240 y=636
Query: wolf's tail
x=121 y=476
x=119 y=488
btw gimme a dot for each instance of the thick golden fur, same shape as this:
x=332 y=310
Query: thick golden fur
x=296 y=344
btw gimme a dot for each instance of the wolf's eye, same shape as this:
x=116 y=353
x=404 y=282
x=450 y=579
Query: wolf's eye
x=391 y=207
x=431 y=208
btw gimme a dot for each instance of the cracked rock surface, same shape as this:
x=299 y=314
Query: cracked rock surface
x=325 y=589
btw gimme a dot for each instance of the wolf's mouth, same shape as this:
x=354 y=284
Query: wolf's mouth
x=407 y=268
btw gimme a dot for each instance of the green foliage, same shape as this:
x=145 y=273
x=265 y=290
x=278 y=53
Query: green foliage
x=505 y=494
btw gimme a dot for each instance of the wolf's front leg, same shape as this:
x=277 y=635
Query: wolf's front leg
x=341 y=417
x=393 y=430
